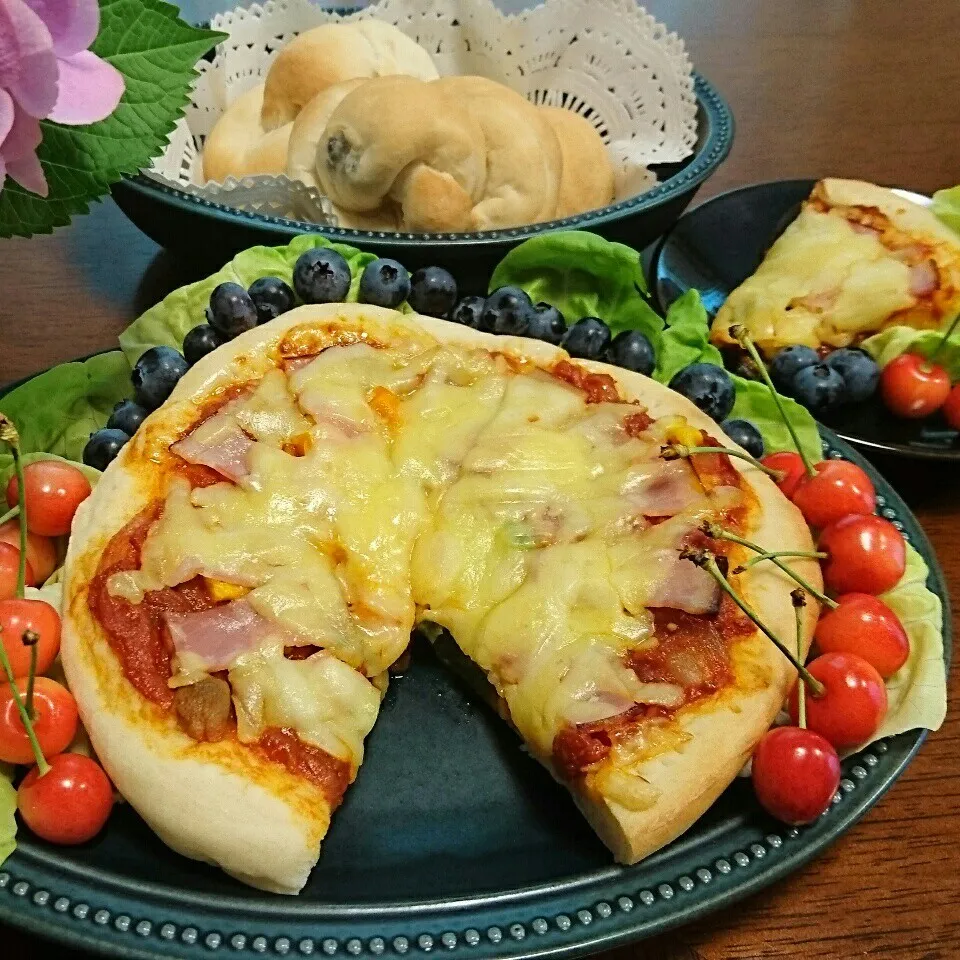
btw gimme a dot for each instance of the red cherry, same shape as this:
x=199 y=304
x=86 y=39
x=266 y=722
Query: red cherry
x=795 y=774
x=791 y=464
x=864 y=555
x=853 y=704
x=866 y=626
x=913 y=387
x=838 y=488
x=951 y=408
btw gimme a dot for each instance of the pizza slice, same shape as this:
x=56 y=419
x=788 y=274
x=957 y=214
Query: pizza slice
x=255 y=560
x=858 y=258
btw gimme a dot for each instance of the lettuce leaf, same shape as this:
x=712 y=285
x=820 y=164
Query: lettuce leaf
x=168 y=322
x=917 y=692
x=582 y=275
x=56 y=412
x=946 y=207
x=8 y=807
x=893 y=341
x=754 y=403
x=684 y=341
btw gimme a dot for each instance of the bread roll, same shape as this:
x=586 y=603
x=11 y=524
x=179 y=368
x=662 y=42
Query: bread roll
x=524 y=162
x=400 y=139
x=238 y=146
x=587 y=179
x=332 y=53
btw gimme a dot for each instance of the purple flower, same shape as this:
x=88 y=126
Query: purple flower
x=46 y=72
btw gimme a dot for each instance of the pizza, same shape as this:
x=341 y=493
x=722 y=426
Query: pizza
x=858 y=258
x=249 y=568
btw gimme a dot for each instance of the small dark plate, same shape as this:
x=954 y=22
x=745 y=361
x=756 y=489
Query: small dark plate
x=715 y=247
x=451 y=841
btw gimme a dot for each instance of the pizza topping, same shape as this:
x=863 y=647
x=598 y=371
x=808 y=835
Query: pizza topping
x=598 y=387
x=220 y=444
x=924 y=278
x=331 y=774
x=204 y=709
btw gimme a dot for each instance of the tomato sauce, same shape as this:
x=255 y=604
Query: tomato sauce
x=636 y=423
x=599 y=387
x=329 y=773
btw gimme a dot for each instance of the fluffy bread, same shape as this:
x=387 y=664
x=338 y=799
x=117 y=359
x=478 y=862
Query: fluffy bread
x=524 y=162
x=333 y=53
x=264 y=826
x=398 y=139
x=238 y=146
x=587 y=180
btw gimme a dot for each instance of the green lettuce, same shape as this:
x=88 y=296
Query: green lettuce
x=946 y=207
x=168 y=322
x=893 y=341
x=684 y=340
x=56 y=412
x=754 y=403
x=917 y=692
x=8 y=807
x=582 y=275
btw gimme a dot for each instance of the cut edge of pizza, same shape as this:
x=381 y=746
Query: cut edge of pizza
x=858 y=258
x=236 y=613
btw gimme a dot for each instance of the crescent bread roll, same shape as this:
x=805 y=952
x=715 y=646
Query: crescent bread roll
x=587 y=179
x=524 y=161
x=239 y=147
x=400 y=139
x=333 y=53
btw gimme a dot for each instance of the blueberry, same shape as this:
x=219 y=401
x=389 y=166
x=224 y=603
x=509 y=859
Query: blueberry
x=321 y=276
x=384 y=283
x=127 y=416
x=232 y=310
x=859 y=371
x=103 y=447
x=271 y=296
x=155 y=375
x=547 y=323
x=513 y=320
x=433 y=291
x=505 y=300
x=746 y=434
x=200 y=341
x=588 y=338
x=632 y=350
x=784 y=366
x=708 y=386
x=819 y=388
x=469 y=312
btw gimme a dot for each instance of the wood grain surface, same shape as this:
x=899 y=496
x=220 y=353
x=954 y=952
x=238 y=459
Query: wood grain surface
x=864 y=88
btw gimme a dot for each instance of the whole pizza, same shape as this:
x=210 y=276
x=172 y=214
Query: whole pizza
x=248 y=570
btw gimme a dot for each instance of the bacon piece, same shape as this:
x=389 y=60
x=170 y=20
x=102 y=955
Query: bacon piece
x=218 y=443
x=686 y=587
x=924 y=278
x=673 y=488
x=214 y=638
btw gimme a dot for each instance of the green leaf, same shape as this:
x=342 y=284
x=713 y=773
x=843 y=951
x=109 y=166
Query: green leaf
x=893 y=341
x=8 y=822
x=917 y=692
x=582 y=275
x=754 y=403
x=157 y=54
x=685 y=339
x=168 y=322
x=946 y=207
x=57 y=411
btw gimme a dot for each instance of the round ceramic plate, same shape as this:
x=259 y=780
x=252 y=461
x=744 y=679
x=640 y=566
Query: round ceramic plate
x=719 y=244
x=452 y=840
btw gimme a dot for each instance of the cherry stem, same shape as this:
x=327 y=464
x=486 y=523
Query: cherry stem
x=718 y=533
x=9 y=515
x=42 y=766
x=31 y=640
x=679 y=451
x=943 y=340
x=9 y=435
x=799 y=602
x=760 y=557
x=707 y=561
x=740 y=334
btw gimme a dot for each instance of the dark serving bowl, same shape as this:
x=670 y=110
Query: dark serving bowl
x=211 y=232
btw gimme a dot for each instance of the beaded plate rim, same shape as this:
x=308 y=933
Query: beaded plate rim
x=711 y=153
x=567 y=918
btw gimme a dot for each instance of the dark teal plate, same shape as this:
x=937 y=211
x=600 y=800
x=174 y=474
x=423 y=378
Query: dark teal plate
x=452 y=841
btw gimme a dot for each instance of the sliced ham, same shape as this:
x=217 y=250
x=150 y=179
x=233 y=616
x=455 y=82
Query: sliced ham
x=672 y=488
x=220 y=444
x=686 y=587
x=212 y=639
x=924 y=278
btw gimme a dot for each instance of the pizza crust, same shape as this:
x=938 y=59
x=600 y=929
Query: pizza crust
x=265 y=826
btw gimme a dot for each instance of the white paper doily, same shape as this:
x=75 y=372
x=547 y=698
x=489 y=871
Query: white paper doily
x=608 y=60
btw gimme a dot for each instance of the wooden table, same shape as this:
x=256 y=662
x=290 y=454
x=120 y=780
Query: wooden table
x=863 y=88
